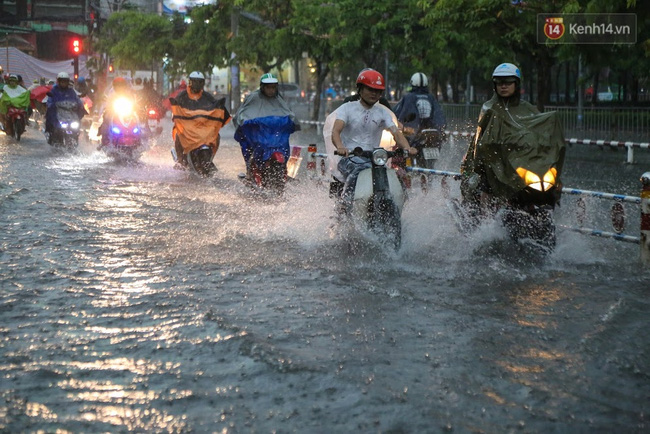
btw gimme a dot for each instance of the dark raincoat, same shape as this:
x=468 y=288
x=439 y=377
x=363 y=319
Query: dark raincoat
x=512 y=134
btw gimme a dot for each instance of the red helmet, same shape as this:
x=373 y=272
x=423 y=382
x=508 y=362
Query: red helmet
x=119 y=82
x=371 y=78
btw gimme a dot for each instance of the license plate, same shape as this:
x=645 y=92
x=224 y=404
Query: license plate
x=431 y=153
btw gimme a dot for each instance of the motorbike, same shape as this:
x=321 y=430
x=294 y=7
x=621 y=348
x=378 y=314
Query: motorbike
x=265 y=147
x=154 y=113
x=122 y=137
x=15 y=122
x=66 y=133
x=522 y=169
x=378 y=197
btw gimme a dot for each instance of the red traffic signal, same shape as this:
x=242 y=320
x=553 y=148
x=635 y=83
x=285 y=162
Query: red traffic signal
x=76 y=46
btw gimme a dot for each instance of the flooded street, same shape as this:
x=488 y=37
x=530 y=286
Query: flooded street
x=140 y=298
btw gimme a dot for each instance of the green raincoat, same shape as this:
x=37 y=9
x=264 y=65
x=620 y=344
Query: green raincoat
x=512 y=135
x=16 y=96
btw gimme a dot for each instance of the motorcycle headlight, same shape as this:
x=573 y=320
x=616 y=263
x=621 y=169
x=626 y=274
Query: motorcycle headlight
x=379 y=157
x=116 y=130
x=64 y=124
x=123 y=106
x=74 y=125
x=533 y=180
x=136 y=130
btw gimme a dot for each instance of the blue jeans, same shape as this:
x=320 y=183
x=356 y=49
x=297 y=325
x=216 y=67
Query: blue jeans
x=350 y=167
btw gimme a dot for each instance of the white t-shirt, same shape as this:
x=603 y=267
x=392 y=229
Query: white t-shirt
x=363 y=128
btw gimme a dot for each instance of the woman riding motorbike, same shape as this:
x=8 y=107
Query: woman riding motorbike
x=514 y=163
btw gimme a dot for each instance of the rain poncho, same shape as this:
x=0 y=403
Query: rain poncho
x=257 y=105
x=511 y=136
x=55 y=97
x=197 y=121
x=261 y=137
x=16 y=96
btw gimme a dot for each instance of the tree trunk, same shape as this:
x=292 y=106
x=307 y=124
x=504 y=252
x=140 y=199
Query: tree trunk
x=567 y=83
x=634 y=91
x=543 y=65
x=322 y=70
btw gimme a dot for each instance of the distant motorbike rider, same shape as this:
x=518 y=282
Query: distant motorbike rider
x=13 y=95
x=198 y=116
x=360 y=124
x=419 y=109
x=266 y=101
x=61 y=91
x=120 y=89
x=506 y=103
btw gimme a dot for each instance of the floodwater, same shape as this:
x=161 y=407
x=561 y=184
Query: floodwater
x=139 y=298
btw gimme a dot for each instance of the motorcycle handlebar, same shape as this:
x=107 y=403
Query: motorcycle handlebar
x=358 y=152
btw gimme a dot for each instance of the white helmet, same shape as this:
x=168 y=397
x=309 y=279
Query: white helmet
x=419 y=80
x=507 y=70
x=197 y=74
x=63 y=75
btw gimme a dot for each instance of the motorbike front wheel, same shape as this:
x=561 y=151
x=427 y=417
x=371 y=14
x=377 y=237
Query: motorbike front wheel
x=19 y=128
x=384 y=220
x=274 y=177
x=536 y=225
x=201 y=160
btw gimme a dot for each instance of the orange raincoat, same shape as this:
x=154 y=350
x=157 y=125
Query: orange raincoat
x=197 y=117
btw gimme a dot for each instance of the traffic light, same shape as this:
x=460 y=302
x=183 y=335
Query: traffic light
x=76 y=46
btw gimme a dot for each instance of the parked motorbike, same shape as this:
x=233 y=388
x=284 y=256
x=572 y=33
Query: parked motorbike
x=15 y=122
x=378 y=197
x=122 y=137
x=265 y=147
x=66 y=133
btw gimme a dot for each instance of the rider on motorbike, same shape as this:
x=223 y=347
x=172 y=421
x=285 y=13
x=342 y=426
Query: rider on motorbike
x=360 y=124
x=266 y=101
x=197 y=117
x=13 y=95
x=419 y=109
x=61 y=91
x=506 y=105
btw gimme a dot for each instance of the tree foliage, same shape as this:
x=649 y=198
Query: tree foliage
x=447 y=39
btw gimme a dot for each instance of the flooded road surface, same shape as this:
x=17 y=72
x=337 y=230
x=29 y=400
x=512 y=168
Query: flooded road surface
x=138 y=298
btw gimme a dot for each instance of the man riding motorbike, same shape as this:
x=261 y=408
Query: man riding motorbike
x=61 y=91
x=419 y=110
x=360 y=124
x=266 y=101
x=13 y=95
x=197 y=118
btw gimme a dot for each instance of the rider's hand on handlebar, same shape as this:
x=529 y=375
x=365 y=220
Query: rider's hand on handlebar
x=412 y=150
x=343 y=152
